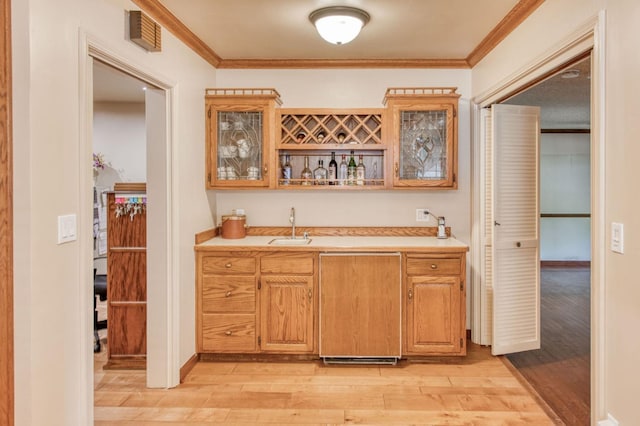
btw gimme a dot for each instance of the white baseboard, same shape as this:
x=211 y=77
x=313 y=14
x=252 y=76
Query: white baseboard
x=610 y=421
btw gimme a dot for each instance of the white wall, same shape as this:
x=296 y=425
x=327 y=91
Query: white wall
x=565 y=164
x=352 y=89
x=49 y=346
x=119 y=134
x=554 y=22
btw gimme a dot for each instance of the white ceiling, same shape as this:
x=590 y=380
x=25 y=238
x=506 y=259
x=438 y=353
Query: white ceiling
x=565 y=103
x=398 y=29
x=112 y=85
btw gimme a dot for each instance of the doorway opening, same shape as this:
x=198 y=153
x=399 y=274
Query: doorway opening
x=162 y=319
x=119 y=258
x=560 y=369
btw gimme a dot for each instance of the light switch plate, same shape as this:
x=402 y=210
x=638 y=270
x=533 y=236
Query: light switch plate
x=67 y=228
x=617 y=237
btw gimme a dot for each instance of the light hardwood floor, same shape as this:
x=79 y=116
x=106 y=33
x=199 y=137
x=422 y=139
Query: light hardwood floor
x=476 y=390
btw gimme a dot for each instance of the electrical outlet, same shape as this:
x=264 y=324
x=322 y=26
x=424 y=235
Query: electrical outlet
x=422 y=215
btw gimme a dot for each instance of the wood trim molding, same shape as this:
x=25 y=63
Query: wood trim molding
x=165 y=18
x=341 y=63
x=515 y=17
x=568 y=131
x=565 y=263
x=354 y=231
x=6 y=222
x=208 y=234
x=188 y=366
x=328 y=231
x=565 y=215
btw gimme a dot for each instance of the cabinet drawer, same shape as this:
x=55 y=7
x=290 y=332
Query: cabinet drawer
x=432 y=266
x=229 y=294
x=228 y=265
x=229 y=332
x=290 y=263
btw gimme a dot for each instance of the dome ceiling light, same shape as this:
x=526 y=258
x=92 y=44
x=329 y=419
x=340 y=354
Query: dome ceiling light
x=339 y=24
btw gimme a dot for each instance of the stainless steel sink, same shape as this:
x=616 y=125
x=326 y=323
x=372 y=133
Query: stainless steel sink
x=290 y=241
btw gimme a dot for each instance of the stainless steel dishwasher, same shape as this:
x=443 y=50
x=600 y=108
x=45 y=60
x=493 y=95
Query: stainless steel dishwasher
x=360 y=307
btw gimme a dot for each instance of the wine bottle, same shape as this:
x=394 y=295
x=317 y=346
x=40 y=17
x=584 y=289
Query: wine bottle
x=333 y=169
x=286 y=170
x=360 y=172
x=306 y=174
x=351 y=171
x=342 y=171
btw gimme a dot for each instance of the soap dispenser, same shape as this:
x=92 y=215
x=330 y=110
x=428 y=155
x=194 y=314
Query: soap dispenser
x=441 y=227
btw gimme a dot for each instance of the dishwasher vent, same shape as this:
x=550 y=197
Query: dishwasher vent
x=363 y=360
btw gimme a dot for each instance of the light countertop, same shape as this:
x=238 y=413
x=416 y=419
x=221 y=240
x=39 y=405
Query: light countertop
x=339 y=243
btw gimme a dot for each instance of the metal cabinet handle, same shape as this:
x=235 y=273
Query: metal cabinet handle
x=434 y=266
x=228 y=265
x=228 y=294
x=310 y=294
x=265 y=168
x=410 y=294
x=228 y=333
x=397 y=170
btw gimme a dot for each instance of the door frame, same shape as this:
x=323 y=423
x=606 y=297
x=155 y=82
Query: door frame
x=589 y=37
x=163 y=369
x=7 y=400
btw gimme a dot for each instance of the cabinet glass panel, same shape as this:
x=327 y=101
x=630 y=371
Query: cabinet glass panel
x=423 y=145
x=239 y=145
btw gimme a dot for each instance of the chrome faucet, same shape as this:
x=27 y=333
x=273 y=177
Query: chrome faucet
x=292 y=219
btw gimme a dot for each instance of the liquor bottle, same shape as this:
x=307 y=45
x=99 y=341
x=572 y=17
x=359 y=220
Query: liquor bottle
x=286 y=170
x=333 y=169
x=320 y=174
x=351 y=171
x=360 y=172
x=342 y=171
x=306 y=174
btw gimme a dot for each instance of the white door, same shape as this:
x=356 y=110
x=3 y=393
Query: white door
x=514 y=213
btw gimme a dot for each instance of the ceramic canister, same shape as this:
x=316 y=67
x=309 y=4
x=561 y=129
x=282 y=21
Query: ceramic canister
x=233 y=226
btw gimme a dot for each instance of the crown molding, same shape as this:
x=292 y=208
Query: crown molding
x=510 y=22
x=165 y=18
x=342 y=63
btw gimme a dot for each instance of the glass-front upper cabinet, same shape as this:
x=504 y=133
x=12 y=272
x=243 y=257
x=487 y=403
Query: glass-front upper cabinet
x=239 y=133
x=424 y=135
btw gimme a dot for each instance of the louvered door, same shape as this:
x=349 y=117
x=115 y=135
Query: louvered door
x=515 y=211
x=486 y=215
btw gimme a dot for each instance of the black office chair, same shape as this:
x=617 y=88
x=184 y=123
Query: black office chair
x=99 y=290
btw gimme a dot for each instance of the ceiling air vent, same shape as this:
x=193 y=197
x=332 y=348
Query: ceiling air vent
x=144 y=32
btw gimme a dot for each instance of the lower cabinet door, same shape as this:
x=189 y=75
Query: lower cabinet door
x=286 y=313
x=434 y=320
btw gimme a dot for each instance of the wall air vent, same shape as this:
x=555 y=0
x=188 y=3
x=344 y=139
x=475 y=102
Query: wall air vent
x=144 y=31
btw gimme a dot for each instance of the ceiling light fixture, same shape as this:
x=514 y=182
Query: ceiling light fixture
x=339 y=24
